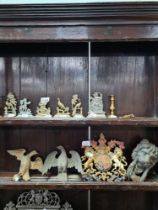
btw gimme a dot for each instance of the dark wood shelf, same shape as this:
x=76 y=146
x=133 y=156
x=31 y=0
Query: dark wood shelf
x=7 y=183
x=39 y=182
x=138 y=121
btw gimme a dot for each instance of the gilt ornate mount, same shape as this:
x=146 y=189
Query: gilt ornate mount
x=104 y=161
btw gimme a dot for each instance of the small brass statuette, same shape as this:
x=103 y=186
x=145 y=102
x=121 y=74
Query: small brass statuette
x=10 y=106
x=144 y=157
x=112 y=107
x=104 y=161
x=42 y=110
x=77 y=110
x=25 y=163
x=63 y=162
x=24 y=111
x=96 y=105
x=62 y=110
x=38 y=199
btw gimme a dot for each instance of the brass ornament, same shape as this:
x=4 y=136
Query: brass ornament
x=26 y=164
x=112 y=107
x=42 y=109
x=104 y=161
x=61 y=111
x=10 y=106
x=76 y=105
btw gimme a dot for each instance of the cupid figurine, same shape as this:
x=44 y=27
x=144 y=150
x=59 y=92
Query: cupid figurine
x=24 y=111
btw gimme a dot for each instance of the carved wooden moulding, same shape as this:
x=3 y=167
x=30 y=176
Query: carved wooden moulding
x=38 y=199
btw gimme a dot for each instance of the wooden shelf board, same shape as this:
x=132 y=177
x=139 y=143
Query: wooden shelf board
x=124 y=186
x=7 y=183
x=138 y=121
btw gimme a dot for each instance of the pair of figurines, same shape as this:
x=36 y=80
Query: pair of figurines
x=10 y=109
x=64 y=112
x=96 y=106
x=60 y=159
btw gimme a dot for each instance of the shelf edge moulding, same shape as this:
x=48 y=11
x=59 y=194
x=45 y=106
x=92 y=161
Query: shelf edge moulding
x=66 y=1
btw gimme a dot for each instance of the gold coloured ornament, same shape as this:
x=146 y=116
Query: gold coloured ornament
x=42 y=109
x=76 y=105
x=10 y=106
x=26 y=164
x=112 y=107
x=104 y=161
x=62 y=110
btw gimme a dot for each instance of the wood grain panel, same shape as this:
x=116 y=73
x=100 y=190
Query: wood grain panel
x=121 y=201
x=67 y=76
x=33 y=79
x=12 y=141
x=77 y=198
x=129 y=78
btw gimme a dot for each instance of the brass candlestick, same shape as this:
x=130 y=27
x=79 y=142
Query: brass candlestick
x=112 y=107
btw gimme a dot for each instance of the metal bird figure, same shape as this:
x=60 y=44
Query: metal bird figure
x=25 y=163
x=62 y=162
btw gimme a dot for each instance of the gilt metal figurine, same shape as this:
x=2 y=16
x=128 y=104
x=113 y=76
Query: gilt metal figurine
x=42 y=109
x=77 y=110
x=62 y=110
x=25 y=163
x=10 y=106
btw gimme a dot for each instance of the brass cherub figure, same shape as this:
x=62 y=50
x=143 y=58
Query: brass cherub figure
x=25 y=163
x=42 y=110
x=10 y=106
x=24 y=111
x=104 y=161
x=77 y=110
x=62 y=110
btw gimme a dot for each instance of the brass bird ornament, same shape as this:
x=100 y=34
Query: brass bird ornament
x=26 y=164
